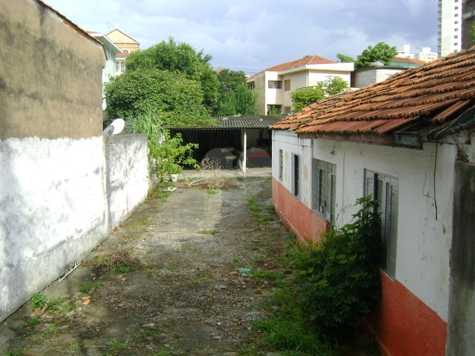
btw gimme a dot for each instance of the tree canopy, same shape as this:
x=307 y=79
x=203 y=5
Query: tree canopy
x=175 y=79
x=381 y=52
x=305 y=96
x=172 y=96
x=343 y=58
x=180 y=58
x=236 y=97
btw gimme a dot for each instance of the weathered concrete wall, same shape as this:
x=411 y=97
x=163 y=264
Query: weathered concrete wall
x=127 y=175
x=462 y=265
x=52 y=211
x=53 y=206
x=50 y=75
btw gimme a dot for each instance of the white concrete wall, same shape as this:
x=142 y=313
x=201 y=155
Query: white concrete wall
x=423 y=241
x=315 y=77
x=297 y=80
x=52 y=211
x=127 y=175
x=58 y=201
x=371 y=76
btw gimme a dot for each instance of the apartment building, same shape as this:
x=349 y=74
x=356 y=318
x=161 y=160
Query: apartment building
x=450 y=26
x=274 y=86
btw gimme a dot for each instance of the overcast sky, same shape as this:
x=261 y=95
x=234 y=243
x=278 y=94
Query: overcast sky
x=251 y=35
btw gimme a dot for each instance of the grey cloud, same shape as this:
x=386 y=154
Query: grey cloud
x=253 y=34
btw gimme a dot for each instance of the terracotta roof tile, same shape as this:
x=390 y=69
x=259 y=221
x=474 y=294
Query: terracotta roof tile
x=434 y=93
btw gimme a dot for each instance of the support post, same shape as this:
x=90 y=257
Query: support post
x=244 y=144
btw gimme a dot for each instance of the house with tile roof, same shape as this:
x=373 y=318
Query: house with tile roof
x=274 y=86
x=380 y=72
x=409 y=143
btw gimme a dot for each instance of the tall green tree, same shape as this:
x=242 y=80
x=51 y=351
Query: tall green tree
x=172 y=96
x=180 y=58
x=235 y=96
x=381 y=52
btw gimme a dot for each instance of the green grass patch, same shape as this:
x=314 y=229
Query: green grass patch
x=263 y=214
x=38 y=301
x=116 y=347
x=88 y=287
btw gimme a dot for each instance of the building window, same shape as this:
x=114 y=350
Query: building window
x=287 y=85
x=296 y=175
x=274 y=110
x=324 y=189
x=275 y=84
x=281 y=165
x=251 y=85
x=384 y=189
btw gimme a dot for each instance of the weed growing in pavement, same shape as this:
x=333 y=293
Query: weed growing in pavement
x=263 y=214
x=116 y=347
x=88 y=287
x=119 y=262
x=38 y=300
x=211 y=232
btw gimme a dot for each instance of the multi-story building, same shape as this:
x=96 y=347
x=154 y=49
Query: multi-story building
x=127 y=45
x=425 y=54
x=274 y=86
x=450 y=26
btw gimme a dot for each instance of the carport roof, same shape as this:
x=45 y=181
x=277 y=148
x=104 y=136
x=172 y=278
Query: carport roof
x=238 y=122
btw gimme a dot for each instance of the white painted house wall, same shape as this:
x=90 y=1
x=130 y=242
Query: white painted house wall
x=367 y=77
x=423 y=245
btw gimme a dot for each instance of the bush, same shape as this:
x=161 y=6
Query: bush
x=167 y=153
x=305 y=96
x=338 y=280
x=184 y=59
x=178 y=100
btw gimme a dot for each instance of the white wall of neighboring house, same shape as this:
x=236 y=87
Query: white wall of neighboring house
x=423 y=240
x=273 y=96
x=305 y=76
x=367 y=77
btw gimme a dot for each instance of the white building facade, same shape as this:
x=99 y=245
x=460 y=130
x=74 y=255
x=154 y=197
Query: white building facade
x=450 y=26
x=274 y=87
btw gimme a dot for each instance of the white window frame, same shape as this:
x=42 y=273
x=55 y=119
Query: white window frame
x=274 y=84
x=385 y=190
x=324 y=189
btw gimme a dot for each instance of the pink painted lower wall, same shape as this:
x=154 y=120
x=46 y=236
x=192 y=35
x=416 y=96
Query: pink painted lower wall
x=403 y=324
x=406 y=326
x=304 y=222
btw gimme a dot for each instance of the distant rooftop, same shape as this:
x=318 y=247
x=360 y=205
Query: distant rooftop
x=307 y=60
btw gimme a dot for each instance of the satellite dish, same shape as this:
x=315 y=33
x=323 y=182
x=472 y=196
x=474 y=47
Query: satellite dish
x=115 y=128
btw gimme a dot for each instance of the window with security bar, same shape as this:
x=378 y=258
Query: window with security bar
x=384 y=189
x=324 y=192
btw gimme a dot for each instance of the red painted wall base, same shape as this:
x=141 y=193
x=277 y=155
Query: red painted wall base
x=403 y=325
x=301 y=220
